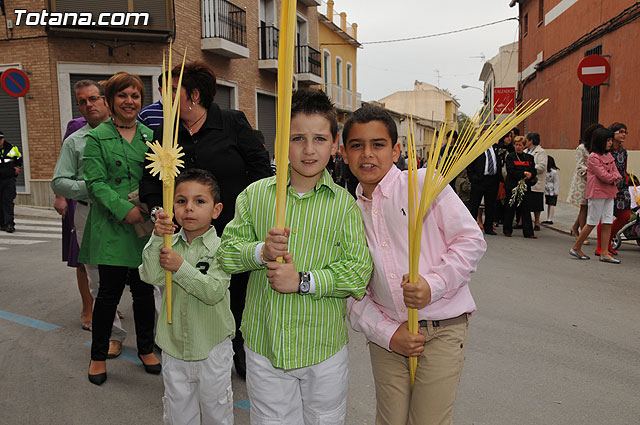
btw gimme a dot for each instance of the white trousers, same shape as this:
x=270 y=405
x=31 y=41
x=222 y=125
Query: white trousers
x=312 y=395
x=80 y=220
x=199 y=392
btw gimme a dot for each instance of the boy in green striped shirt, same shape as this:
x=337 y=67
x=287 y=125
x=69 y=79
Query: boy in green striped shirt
x=196 y=348
x=294 y=317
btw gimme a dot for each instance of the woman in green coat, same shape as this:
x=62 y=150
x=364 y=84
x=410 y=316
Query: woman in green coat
x=113 y=160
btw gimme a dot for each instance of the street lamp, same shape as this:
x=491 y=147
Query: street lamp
x=464 y=86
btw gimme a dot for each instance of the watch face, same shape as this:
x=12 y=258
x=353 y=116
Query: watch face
x=304 y=287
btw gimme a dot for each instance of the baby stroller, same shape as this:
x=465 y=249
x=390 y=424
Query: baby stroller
x=629 y=232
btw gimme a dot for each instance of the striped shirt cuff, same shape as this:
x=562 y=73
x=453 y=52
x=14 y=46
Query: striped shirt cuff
x=248 y=256
x=322 y=283
x=186 y=273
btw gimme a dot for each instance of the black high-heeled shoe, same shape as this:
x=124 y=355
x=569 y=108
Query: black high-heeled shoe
x=153 y=369
x=98 y=379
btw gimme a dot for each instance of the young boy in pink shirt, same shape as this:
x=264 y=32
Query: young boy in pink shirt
x=452 y=245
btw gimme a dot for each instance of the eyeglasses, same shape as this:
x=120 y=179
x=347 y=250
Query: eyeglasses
x=92 y=99
x=622 y=132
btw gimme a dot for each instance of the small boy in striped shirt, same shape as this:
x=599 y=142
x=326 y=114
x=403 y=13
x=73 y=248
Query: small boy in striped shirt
x=196 y=348
x=294 y=318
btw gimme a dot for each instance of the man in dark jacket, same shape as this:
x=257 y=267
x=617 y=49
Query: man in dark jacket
x=485 y=175
x=10 y=162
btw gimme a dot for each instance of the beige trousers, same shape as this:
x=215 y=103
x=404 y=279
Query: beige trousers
x=434 y=393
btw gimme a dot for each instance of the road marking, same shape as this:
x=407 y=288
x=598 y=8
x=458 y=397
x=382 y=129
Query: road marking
x=39 y=228
x=243 y=404
x=57 y=223
x=28 y=321
x=36 y=235
x=19 y=241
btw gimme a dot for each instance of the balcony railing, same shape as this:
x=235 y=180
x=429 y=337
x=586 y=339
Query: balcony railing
x=348 y=100
x=269 y=36
x=223 y=19
x=336 y=96
x=308 y=61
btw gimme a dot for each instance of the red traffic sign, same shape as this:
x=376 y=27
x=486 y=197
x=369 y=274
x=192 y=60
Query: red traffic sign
x=504 y=100
x=14 y=82
x=594 y=70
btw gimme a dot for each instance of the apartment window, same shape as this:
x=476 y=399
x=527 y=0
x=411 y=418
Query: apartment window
x=339 y=72
x=540 y=12
x=327 y=70
x=525 y=25
x=349 y=72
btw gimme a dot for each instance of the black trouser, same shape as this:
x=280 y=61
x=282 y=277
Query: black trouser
x=7 y=195
x=238 y=294
x=507 y=222
x=112 y=282
x=488 y=188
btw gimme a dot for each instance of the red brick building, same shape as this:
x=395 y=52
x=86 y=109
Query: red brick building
x=555 y=35
x=238 y=38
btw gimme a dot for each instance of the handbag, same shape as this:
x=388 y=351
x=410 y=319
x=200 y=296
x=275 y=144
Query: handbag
x=146 y=228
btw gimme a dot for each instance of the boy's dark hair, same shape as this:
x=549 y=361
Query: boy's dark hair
x=617 y=126
x=599 y=140
x=201 y=176
x=367 y=114
x=534 y=137
x=314 y=102
x=516 y=131
x=455 y=135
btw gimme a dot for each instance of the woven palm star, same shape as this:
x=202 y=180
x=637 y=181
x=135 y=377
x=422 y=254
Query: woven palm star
x=165 y=161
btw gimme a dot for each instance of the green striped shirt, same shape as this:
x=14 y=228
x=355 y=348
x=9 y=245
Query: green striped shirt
x=201 y=314
x=327 y=239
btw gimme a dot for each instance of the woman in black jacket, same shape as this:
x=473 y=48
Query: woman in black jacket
x=520 y=167
x=220 y=141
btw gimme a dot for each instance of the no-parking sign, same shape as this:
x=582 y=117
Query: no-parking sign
x=14 y=82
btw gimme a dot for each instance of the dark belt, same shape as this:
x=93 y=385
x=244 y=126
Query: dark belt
x=463 y=318
x=86 y=204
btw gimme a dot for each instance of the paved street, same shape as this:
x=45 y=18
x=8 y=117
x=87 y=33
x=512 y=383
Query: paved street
x=555 y=341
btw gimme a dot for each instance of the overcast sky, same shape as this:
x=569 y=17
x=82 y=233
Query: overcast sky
x=387 y=68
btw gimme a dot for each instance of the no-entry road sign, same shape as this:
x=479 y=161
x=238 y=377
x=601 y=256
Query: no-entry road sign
x=594 y=70
x=14 y=82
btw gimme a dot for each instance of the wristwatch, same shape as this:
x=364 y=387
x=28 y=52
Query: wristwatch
x=305 y=283
x=153 y=212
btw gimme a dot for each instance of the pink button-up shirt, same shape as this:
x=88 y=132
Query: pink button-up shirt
x=451 y=247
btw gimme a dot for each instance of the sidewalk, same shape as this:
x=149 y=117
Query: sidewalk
x=40 y=212
x=563 y=218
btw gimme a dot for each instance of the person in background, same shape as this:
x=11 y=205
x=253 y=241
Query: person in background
x=622 y=204
x=537 y=190
x=551 y=189
x=520 y=166
x=68 y=182
x=113 y=158
x=485 y=175
x=222 y=142
x=578 y=187
x=10 y=163
x=151 y=115
x=602 y=177
x=503 y=148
